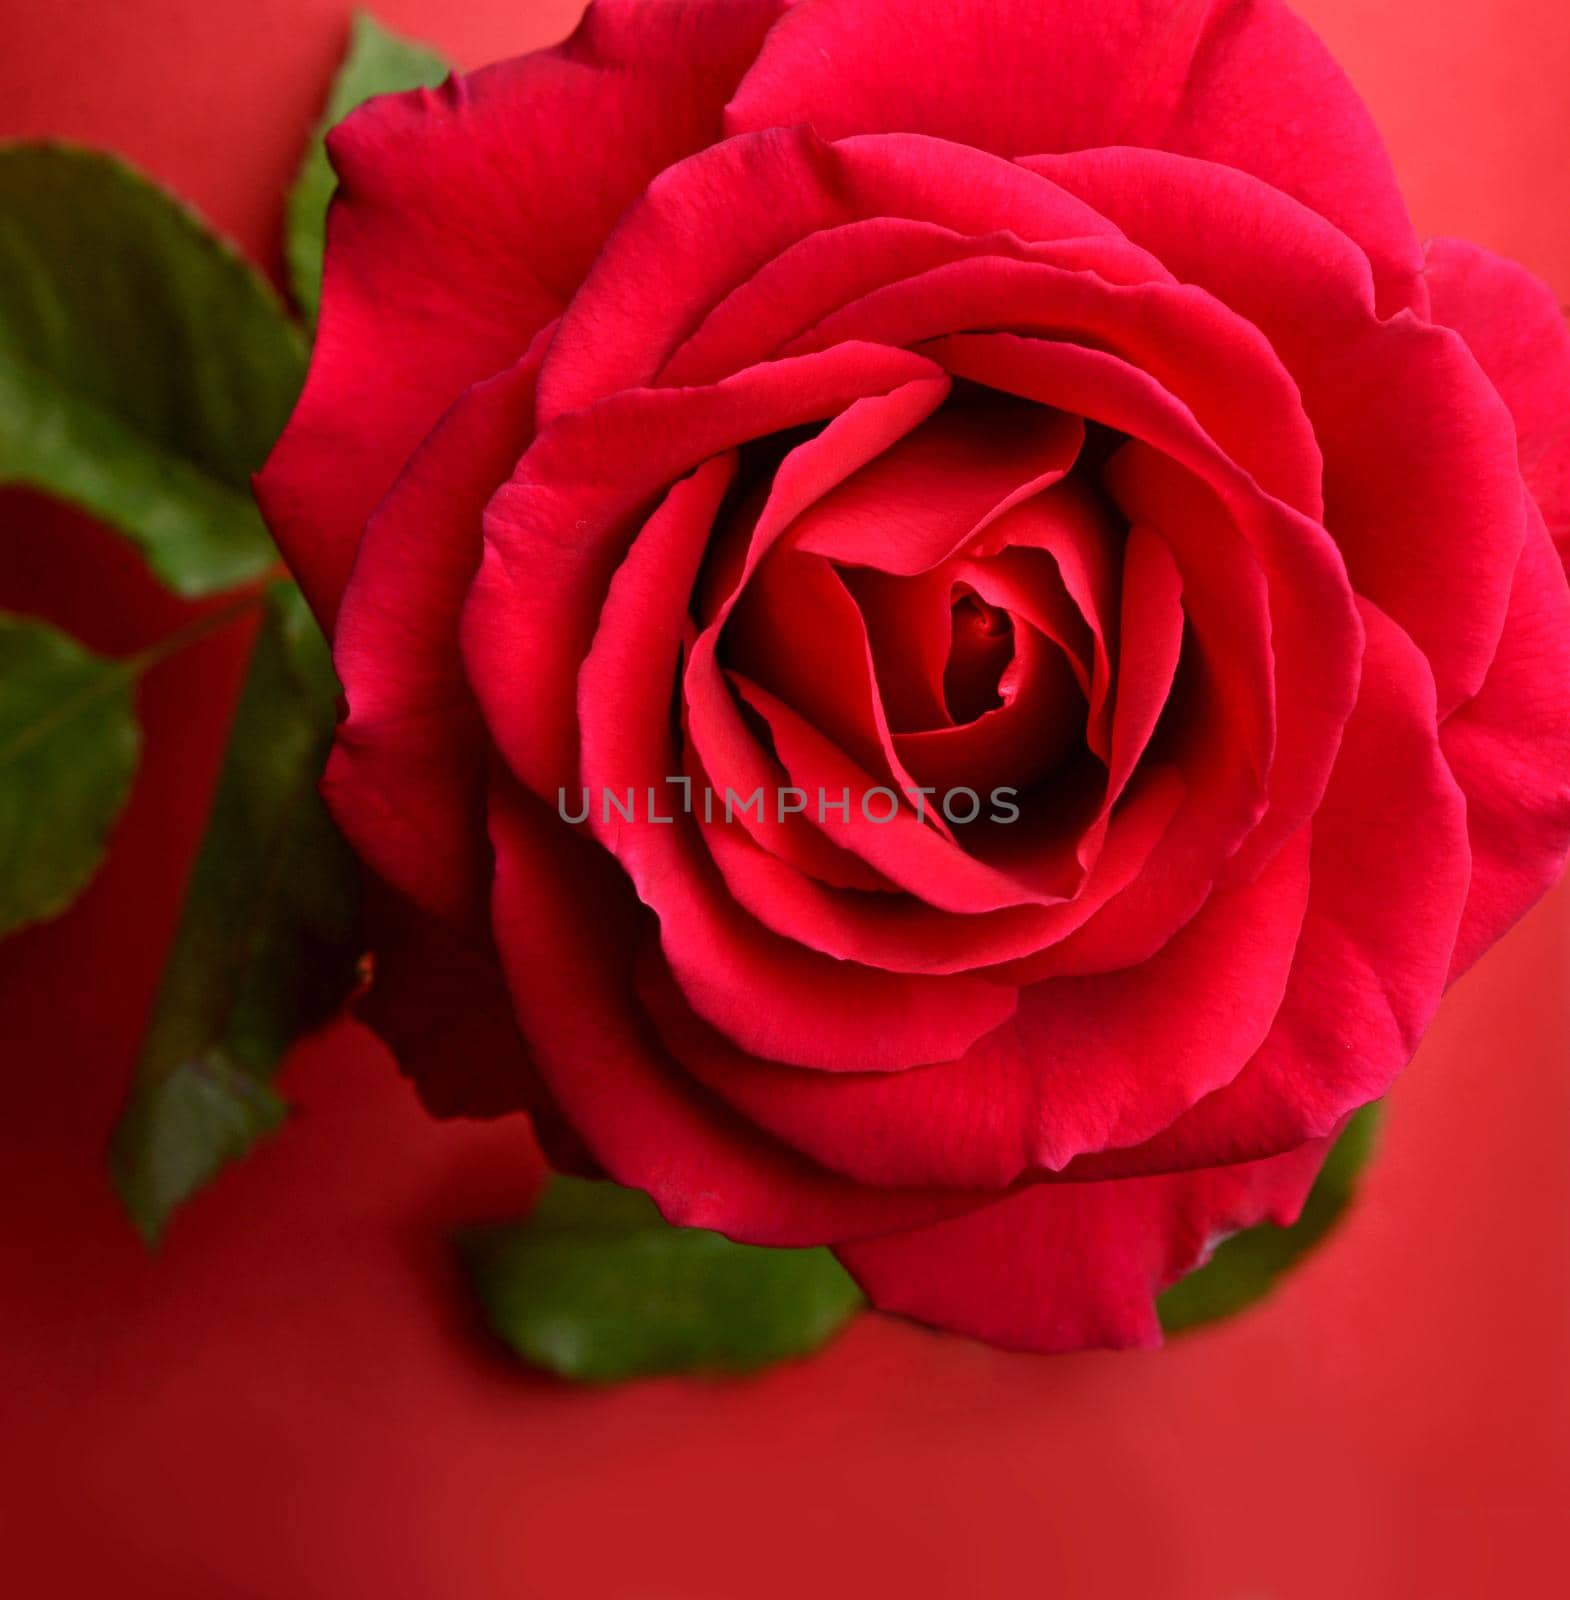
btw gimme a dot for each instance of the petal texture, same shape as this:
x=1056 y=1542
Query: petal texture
x=1242 y=82
x=465 y=218
x=1074 y=1266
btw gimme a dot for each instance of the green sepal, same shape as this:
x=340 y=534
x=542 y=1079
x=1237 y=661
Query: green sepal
x=595 y=1286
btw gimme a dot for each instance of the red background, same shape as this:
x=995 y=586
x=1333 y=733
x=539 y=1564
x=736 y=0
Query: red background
x=292 y=1401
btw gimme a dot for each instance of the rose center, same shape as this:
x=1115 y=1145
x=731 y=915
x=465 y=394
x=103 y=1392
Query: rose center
x=981 y=645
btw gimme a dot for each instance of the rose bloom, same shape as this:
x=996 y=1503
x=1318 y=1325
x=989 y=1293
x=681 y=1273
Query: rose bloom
x=1047 y=395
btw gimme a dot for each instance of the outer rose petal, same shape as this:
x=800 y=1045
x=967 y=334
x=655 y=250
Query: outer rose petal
x=465 y=219
x=438 y=1001
x=1510 y=746
x=406 y=779
x=1243 y=82
x=1074 y=1266
x=1516 y=329
x=715 y=221
x=1510 y=751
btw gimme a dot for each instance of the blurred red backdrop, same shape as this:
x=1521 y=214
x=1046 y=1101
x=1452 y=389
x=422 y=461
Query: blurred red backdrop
x=292 y=1402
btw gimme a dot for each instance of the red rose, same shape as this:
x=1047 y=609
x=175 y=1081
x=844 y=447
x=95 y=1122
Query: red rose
x=877 y=402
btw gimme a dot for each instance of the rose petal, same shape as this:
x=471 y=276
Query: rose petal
x=714 y=221
x=1389 y=875
x=558 y=530
x=465 y=218
x=941 y=487
x=796 y=629
x=1076 y=1266
x=567 y=925
x=721 y=749
x=1084 y=1065
x=894 y=839
x=1509 y=749
x=775 y=998
x=1038 y=717
x=406 y=778
x=1214 y=362
x=1243 y=82
x=907 y=933
x=1514 y=325
x=437 y=999
x=1420 y=495
x=810 y=279
x=1314 y=626
x=1314 y=636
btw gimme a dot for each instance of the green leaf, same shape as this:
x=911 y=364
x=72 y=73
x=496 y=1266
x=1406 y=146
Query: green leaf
x=182 y=1128
x=1246 y=1266
x=266 y=946
x=145 y=369
x=378 y=62
x=595 y=1286
x=68 y=749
